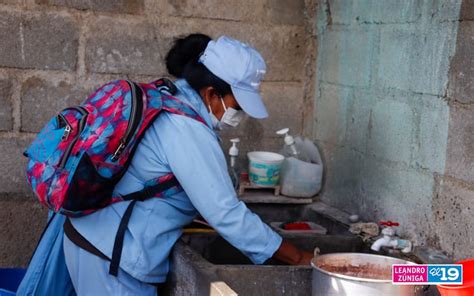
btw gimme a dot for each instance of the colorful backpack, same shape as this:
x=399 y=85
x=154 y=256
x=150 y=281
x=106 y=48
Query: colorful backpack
x=82 y=153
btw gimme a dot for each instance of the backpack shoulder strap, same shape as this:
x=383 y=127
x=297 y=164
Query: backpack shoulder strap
x=172 y=104
x=155 y=188
x=175 y=106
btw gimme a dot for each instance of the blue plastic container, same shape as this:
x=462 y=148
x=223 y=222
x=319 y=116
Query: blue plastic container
x=10 y=279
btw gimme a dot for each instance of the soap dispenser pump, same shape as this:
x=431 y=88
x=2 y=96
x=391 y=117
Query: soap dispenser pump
x=289 y=141
x=290 y=145
x=234 y=153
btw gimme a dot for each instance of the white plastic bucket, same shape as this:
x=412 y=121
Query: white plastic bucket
x=264 y=167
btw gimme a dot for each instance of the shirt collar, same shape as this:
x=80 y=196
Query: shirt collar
x=188 y=95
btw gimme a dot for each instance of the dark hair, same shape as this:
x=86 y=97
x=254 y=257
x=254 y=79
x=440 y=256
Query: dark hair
x=182 y=62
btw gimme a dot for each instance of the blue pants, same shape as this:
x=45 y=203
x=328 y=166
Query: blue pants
x=90 y=275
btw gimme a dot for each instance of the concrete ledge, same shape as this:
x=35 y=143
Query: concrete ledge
x=267 y=197
x=328 y=211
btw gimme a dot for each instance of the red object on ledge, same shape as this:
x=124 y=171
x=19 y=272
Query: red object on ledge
x=297 y=226
x=389 y=223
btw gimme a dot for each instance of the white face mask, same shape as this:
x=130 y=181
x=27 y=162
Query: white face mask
x=231 y=117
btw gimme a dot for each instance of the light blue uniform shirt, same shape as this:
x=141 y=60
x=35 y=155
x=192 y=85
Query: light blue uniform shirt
x=190 y=150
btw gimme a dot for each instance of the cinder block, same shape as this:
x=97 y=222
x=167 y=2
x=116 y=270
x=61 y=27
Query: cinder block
x=22 y=223
x=46 y=41
x=345 y=55
x=416 y=59
x=461 y=85
x=331 y=113
x=342 y=177
x=6 y=118
x=460 y=154
x=442 y=11
x=452 y=210
x=429 y=150
x=373 y=11
x=123 y=47
x=282 y=47
x=359 y=119
x=285 y=12
x=234 y=10
x=11 y=1
x=279 y=12
x=339 y=11
x=12 y=170
x=392 y=11
x=285 y=106
x=467 y=10
x=120 y=6
x=41 y=100
x=396 y=47
x=391 y=132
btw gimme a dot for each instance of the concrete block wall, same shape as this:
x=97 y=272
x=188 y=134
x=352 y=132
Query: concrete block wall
x=394 y=116
x=54 y=53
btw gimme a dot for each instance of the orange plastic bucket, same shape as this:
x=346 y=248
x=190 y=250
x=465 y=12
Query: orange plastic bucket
x=467 y=288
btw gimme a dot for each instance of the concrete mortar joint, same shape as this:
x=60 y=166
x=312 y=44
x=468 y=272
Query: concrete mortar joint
x=37 y=12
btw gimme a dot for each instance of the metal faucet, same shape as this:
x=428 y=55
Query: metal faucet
x=390 y=240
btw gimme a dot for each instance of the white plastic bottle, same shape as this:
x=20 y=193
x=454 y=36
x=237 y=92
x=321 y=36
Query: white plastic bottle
x=291 y=148
x=302 y=170
x=234 y=153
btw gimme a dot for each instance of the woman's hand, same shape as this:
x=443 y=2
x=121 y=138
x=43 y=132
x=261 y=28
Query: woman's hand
x=290 y=254
x=306 y=258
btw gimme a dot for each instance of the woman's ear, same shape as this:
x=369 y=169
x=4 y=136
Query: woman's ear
x=209 y=95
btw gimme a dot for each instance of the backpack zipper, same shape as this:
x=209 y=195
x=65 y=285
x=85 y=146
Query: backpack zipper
x=67 y=131
x=67 y=128
x=82 y=123
x=135 y=117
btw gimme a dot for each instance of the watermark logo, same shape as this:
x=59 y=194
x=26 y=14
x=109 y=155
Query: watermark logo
x=428 y=274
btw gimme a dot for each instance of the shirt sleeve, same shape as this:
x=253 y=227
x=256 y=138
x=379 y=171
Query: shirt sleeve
x=198 y=162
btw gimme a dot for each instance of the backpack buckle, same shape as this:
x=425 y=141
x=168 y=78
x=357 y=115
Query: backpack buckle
x=166 y=85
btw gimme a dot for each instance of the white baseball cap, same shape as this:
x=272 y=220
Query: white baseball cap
x=242 y=67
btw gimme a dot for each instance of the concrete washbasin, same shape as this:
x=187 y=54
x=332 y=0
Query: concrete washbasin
x=201 y=259
x=218 y=251
x=206 y=264
x=209 y=253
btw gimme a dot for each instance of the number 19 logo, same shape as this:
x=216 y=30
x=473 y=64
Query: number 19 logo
x=445 y=274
